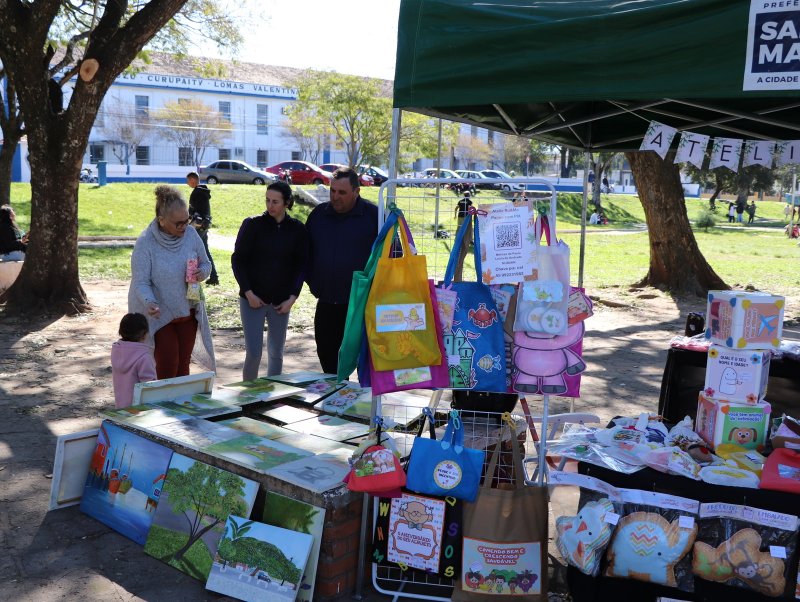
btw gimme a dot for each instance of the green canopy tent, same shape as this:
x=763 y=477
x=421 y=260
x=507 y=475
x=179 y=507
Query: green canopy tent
x=591 y=74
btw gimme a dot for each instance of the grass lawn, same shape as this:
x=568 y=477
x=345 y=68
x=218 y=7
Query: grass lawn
x=163 y=543
x=740 y=254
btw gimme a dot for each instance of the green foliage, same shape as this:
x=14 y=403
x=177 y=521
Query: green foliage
x=206 y=491
x=289 y=513
x=190 y=123
x=164 y=543
x=260 y=554
x=705 y=220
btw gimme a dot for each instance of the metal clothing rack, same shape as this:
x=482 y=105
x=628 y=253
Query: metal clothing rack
x=432 y=226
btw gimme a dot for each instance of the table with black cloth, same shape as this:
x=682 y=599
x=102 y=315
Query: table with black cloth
x=684 y=378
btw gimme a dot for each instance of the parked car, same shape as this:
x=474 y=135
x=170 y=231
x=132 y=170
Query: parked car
x=302 y=172
x=501 y=175
x=376 y=173
x=479 y=180
x=363 y=179
x=234 y=172
x=431 y=172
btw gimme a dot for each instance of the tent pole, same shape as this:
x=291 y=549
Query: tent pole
x=438 y=175
x=794 y=190
x=587 y=160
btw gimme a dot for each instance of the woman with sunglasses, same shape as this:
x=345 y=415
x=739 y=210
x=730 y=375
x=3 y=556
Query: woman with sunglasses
x=167 y=256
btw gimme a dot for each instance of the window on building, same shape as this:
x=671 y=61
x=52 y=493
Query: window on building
x=225 y=110
x=239 y=153
x=142 y=106
x=262 y=158
x=224 y=153
x=97 y=152
x=297 y=156
x=185 y=156
x=262 y=119
x=142 y=155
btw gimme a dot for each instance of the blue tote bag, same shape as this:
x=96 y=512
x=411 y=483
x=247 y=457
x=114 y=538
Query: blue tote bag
x=445 y=467
x=474 y=343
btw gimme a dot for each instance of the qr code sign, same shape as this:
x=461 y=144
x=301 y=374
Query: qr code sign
x=507 y=236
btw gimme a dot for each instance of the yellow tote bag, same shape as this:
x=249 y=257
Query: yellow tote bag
x=399 y=311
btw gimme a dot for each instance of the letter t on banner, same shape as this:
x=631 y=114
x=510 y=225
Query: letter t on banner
x=725 y=152
x=758 y=152
x=691 y=149
x=788 y=152
x=658 y=138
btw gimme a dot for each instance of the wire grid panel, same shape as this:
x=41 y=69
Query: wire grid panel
x=431 y=213
x=482 y=430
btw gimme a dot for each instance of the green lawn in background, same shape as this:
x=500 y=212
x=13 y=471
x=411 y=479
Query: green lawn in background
x=741 y=255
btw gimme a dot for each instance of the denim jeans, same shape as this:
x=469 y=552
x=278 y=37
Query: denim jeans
x=253 y=325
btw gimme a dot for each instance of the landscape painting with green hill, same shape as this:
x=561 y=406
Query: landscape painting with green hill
x=190 y=518
x=255 y=561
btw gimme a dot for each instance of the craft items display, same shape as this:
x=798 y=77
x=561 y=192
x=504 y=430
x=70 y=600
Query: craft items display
x=782 y=471
x=745 y=547
x=399 y=312
x=582 y=539
x=445 y=467
x=505 y=537
x=737 y=375
x=377 y=469
x=720 y=421
x=745 y=320
x=786 y=432
x=474 y=345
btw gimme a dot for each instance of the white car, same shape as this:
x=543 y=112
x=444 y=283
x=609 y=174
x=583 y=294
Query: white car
x=496 y=174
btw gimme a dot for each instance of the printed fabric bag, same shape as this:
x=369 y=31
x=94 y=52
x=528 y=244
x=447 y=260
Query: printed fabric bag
x=504 y=555
x=377 y=471
x=545 y=364
x=359 y=291
x=418 y=533
x=445 y=467
x=542 y=302
x=474 y=340
x=399 y=311
x=424 y=377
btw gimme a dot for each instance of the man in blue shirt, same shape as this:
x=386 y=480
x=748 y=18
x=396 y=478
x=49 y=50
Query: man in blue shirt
x=341 y=233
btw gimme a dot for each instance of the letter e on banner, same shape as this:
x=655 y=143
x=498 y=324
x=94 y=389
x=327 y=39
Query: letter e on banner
x=726 y=152
x=658 y=138
x=691 y=149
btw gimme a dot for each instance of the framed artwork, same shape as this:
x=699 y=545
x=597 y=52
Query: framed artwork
x=73 y=456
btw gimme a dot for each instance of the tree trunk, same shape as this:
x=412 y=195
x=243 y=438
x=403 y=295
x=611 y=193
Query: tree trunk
x=676 y=263
x=179 y=554
x=9 y=147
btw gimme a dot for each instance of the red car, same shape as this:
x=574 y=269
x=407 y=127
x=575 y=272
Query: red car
x=302 y=172
x=364 y=179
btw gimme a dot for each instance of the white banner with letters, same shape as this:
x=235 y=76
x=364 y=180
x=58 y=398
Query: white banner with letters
x=658 y=138
x=758 y=152
x=725 y=152
x=691 y=149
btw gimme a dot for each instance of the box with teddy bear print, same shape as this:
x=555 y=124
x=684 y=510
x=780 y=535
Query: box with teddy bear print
x=722 y=421
x=745 y=320
x=738 y=375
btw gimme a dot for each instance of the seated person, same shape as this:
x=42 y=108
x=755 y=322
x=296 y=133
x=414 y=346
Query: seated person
x=594 y=219
x=13 y=241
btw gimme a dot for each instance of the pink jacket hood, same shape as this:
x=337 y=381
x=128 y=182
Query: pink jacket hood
x=131 y=363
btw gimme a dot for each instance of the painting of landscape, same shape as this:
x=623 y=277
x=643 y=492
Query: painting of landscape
x=126 y=475
x=264 y=390
x=195 y=504
x=256 y=427
x=301 y=377
x=349 y=396
x=198 y=406
x=144 y=416
x=258 y=562
x=317 y=390
x=256 y=452
x=286 y=512
x=317 y=473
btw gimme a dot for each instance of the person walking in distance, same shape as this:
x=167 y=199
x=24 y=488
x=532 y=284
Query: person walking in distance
x=341 y=233
x=200 y=212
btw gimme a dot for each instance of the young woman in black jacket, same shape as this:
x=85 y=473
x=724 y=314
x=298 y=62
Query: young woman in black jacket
x=268 y=262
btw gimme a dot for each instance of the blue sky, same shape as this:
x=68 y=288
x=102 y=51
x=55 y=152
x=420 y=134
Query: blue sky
x=348 y=36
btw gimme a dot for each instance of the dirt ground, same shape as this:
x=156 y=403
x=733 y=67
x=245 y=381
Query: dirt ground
x=56 y=376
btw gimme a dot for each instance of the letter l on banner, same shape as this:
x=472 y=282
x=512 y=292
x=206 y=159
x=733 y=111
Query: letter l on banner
x=658 y=138
x=758 y=152
x=725 y=152
x=691 y=149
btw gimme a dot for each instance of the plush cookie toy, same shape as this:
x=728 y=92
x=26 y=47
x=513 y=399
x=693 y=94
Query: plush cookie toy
x=647 y=547
x=740 y=557
x=582 y=539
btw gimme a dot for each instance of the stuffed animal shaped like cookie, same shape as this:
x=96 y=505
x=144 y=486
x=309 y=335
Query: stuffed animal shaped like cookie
x=740 y=557
x=647 y=547
x=582 y=539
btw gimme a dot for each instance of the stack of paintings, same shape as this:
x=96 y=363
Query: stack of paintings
x=191 y=516
x=264 y=390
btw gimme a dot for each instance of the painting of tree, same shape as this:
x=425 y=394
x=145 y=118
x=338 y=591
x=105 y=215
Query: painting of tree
x=197 y=500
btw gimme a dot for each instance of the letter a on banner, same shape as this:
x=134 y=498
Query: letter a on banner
x=758 y=152
x=691 y=149
x=658 y=138
x=788 y=152
x=725 y=152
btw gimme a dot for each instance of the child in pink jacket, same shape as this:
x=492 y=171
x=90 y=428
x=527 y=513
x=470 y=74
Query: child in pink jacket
x=131 y=359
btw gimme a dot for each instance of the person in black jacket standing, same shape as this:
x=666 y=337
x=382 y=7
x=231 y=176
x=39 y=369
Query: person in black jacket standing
x=268 y=262
x=200 y=212
x=341 y=233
